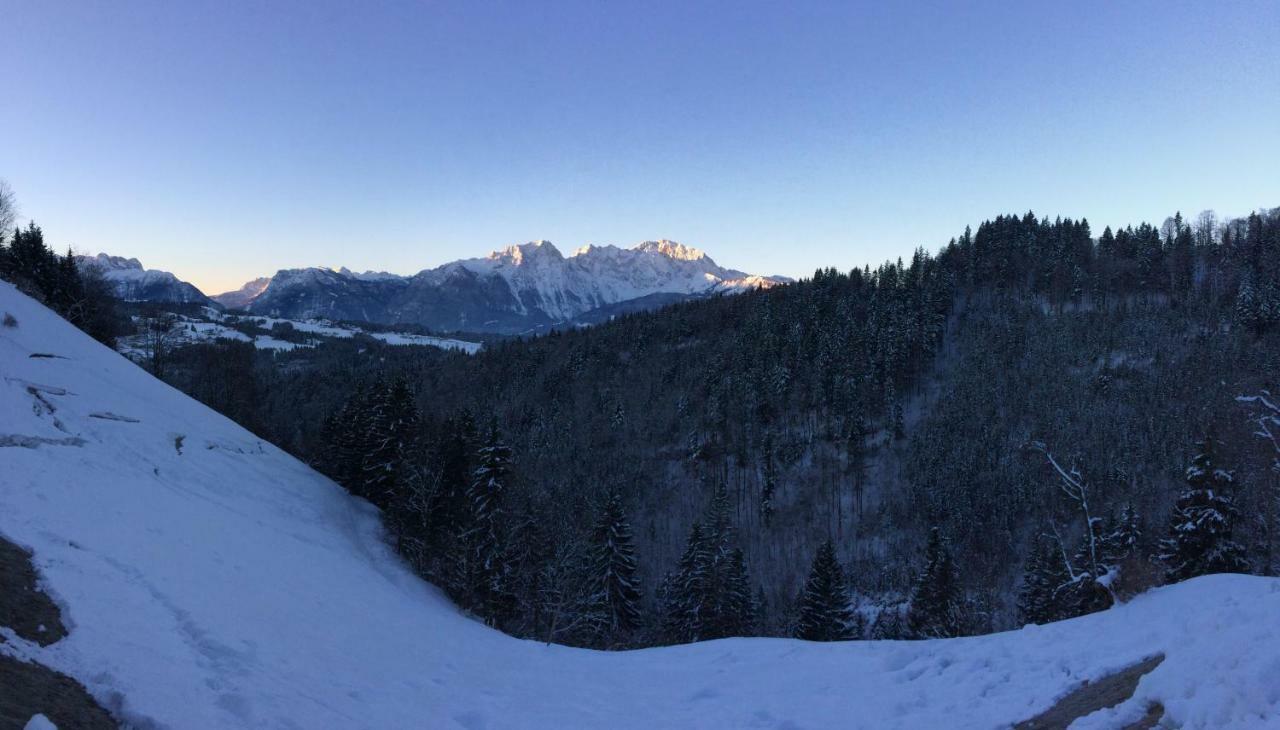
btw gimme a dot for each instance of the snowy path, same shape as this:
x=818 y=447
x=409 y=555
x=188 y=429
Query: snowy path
x=212 y=581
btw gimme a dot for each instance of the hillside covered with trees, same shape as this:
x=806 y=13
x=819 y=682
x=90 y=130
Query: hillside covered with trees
x=1030 y=424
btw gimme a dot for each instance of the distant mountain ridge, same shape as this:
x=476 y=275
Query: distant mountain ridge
x=132 y=282
x=518 y=289
x=240 y=298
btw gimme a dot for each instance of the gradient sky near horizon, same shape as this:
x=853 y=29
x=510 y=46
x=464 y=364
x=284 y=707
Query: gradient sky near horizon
x=226 y=140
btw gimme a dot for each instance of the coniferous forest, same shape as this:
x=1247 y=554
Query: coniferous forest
x=1030 y=424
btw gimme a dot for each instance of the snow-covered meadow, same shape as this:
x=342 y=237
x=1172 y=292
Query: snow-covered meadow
x=214 y=325
x=212 y=581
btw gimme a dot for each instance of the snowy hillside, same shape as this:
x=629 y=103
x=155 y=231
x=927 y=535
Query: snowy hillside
x=211 y=581
x=517 y=289
x=136 y=284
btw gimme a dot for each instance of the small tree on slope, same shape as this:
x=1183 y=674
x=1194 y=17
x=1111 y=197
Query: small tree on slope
x=1200 y=529
x=824 y=606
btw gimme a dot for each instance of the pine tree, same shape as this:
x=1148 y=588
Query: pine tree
x=740 y=606
x=1124 y=541
x=888 y=624
x=682 y=591
x=350 y=442
x=935 y=604
x=615 y=594
x=486 y=552
x=1200 y=529
x=447 y=507
x=1044 y=580
x=824 y=605
x=1089 y=592
x=768 y=487
x=393 y=422
x=709 y=596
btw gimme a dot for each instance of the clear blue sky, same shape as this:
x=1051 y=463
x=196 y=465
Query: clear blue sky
x=224 y=140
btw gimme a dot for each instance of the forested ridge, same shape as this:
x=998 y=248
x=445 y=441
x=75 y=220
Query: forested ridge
x=1032 y=423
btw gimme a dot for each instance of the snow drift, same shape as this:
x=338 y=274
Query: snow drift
x=211 y=581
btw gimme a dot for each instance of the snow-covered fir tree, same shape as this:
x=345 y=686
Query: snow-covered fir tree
x=935 y=602
x=710 y=594
x=768 y=485
x=682 y=590
x=824 y=604
x=393 y=422
x=1200 y=539
x=614 y=602
x=1046 y=577
x=485 y=551
x=1090 y=588
x=1124 y=540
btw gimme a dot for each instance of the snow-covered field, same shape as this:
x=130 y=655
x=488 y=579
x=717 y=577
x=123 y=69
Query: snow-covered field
x=212 y=581
x=190 y=330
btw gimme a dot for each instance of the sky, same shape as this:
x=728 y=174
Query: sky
x=226 y=140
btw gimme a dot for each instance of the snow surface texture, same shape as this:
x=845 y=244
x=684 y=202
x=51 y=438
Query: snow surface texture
x=40 y=722
x=210 y=580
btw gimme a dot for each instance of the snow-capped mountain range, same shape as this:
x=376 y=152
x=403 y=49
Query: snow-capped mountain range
x=518 y=289
x=136 y=284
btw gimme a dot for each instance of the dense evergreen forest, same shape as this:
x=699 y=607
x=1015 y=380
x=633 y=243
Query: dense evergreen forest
x=984 y=435
x=1030 y=424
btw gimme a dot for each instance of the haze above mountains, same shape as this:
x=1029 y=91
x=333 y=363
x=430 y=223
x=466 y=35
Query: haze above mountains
x=520 y=289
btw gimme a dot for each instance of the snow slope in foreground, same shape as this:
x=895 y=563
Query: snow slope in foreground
x=212 y=581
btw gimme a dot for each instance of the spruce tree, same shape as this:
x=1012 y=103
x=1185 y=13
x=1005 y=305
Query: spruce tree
x=740 y=606
x=1089 y=591
x=447 y=508
x=1200 y=537
x=935 y=603
x=1044 y=580
x=1124 y=541
x=824 y=605
x=710 y=596
x=768 y=486
x=615 y=594
x=486 y=552
x=393 y=422
x=682 y=591
x=350 y=434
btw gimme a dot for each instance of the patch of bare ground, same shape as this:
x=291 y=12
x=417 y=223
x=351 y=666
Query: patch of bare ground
x=28 y=688
x=1093 y=696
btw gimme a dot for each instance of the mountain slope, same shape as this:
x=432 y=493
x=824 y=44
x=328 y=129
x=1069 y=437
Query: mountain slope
x=518 y=289
x=133 y=283
x=241 y=297
x=210 y=580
